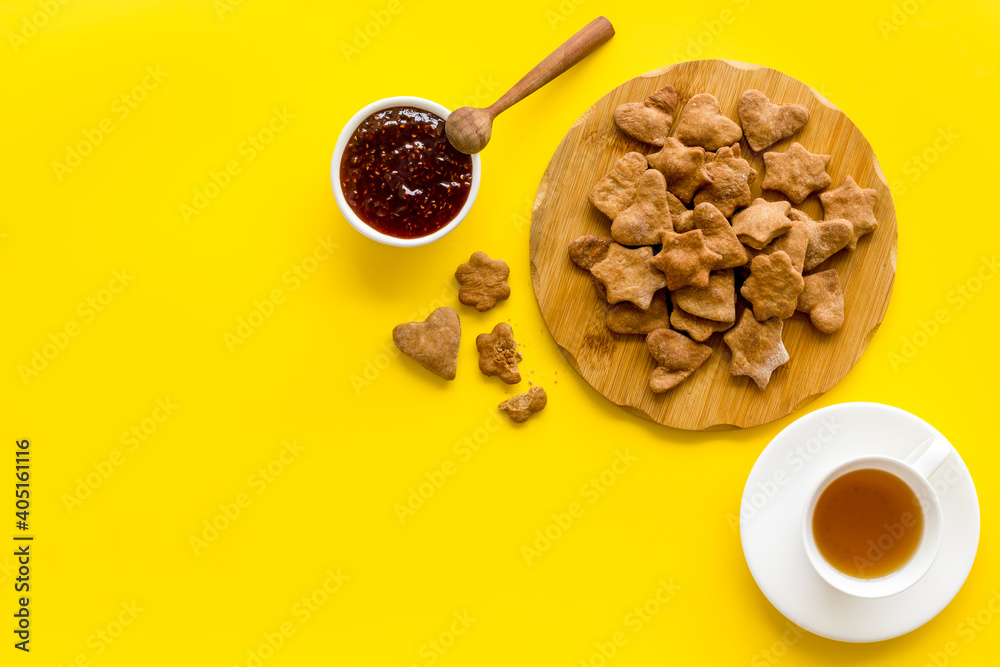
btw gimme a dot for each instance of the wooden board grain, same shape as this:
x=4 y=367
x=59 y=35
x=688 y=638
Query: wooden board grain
x=618 y=366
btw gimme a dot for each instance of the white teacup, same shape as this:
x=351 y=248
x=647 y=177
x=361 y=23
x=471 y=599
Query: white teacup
x=914 y=472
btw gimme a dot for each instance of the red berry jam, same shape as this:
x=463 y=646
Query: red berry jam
x=401 y=176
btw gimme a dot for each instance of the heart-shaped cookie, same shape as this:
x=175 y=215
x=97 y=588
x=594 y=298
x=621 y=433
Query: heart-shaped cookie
x=649 y=121
x=433 y=343
x=765 y=123
x=702 y=124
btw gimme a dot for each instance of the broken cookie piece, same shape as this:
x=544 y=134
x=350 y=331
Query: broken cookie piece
x=520 y=408
x=498 y=355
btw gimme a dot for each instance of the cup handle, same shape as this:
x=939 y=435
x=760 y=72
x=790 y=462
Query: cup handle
x=929 y=456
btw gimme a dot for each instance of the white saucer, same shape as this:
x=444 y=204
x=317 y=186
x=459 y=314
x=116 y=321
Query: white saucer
x=771 y=519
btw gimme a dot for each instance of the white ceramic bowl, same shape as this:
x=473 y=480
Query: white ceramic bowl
x=338 y=193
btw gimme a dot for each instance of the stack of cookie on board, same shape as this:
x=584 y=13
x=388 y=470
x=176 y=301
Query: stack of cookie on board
x=684 y=228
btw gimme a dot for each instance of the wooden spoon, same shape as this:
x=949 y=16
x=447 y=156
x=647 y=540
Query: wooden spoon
x=469 y=128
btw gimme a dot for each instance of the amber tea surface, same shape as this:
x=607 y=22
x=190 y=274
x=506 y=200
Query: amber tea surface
x=867 y=523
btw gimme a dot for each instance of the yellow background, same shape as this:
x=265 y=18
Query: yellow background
x=905 y=72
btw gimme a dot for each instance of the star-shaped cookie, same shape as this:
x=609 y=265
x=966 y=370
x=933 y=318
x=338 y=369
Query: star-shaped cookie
x=756 y=347
x=685 y=259
x=731 y=179
x=854 y=204
x=629 y=275
x=682 y=166
x=761 y=222
x=648 y=216
x=796 y=173
x=773 y=287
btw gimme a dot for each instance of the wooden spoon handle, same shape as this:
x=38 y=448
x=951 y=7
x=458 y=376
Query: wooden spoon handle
x=572 y=51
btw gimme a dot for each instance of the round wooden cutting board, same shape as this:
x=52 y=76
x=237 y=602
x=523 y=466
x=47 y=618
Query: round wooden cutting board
x=618 y=366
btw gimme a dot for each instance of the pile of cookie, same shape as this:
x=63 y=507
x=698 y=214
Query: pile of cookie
x=659 y=249
x=434 y=342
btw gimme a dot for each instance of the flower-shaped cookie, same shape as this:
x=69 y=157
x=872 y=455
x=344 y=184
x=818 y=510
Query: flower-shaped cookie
x=483 y=281
x=773 y=286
